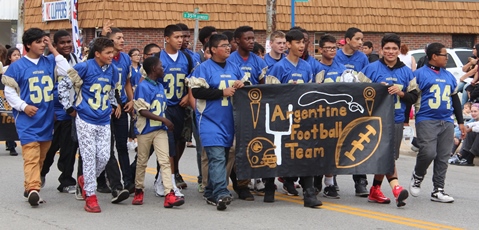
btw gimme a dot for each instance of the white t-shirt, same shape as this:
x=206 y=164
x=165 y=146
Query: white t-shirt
x=406 y=59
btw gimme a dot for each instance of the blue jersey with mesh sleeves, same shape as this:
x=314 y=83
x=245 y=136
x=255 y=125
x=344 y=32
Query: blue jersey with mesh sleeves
x=215 y=117
x=175 y=73
x=123 y=64
x=331 y=73
x=135 y=76
x=286 y=72
x=356 y=62
x=151 y=96
x=36 y=82
x=254 y=67
x=378 y=72
x=93 y=102
x=435 y=98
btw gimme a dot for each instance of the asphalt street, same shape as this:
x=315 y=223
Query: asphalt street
x=62 y=211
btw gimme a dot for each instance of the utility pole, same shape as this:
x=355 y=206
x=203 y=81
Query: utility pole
x=270 y=21
x=21 y=9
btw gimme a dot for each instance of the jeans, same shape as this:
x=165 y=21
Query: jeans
x=199 y=147
x=217 y=159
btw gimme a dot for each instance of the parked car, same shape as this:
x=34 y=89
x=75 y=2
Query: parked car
x=457 y=58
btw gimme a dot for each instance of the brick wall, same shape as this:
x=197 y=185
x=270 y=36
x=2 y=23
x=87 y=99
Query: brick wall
x=138 y=38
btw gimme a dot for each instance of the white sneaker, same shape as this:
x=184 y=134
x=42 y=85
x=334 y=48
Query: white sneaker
x=438 y=195
x=159 y=188
x=178 y=192
x=258 y=185
x=415 y=185
x=251 y=184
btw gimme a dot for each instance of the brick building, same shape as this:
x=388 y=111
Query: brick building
x=418 y=22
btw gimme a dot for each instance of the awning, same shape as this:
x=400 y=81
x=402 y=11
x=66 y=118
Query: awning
x=9 y=10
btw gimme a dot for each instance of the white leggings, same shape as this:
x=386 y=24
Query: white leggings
x=94 y=142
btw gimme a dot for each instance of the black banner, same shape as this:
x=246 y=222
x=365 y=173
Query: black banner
x=8 y=131
x=313 y=129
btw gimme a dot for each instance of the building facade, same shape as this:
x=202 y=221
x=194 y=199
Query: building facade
x=418 y=22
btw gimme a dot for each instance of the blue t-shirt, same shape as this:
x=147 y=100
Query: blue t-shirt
x=123 y=64
x=271 y=61
x=356 y=62
x=93 y=102
x=331 y=73
x=135 y=76
x=379 y=72
x=254 y=67
x=153 y=94
x=215 y=117
x=436 y=89
x=286 y=72
x=36 y=83
x=175 y=73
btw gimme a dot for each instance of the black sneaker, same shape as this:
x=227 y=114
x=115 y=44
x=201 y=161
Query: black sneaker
x=361 y=189
x=103 y=189
x=13 y=152
x=245 y=194
x=222 y=202
x=330 y=192
x=180 y=183
x=210 y=201
x=289 y=188
x=130 y=188
x=119 y=196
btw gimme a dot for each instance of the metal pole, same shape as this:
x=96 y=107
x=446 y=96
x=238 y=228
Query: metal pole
x=20 y=22
x=292 y=13
x=197 y=25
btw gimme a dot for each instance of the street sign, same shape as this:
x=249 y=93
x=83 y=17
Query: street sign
x=301 y=0
x=189 y=15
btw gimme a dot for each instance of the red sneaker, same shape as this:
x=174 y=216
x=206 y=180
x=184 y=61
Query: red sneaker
x=400 y=194
x=91 y=204
x=172 y=200
x=81 y=183
x=138 y=199
x=376 y=196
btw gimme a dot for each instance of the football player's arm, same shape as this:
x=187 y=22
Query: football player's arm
x=13 y=99
x=207 y=93
x=129 y=93
x=191 y=99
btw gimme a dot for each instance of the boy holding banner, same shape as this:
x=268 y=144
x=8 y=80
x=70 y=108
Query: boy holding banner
x=295 y=70
x=213 y=84
x=391 y=71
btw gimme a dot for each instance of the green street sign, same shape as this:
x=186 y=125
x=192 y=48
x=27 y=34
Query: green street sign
x=189 y=15
x=301 y=0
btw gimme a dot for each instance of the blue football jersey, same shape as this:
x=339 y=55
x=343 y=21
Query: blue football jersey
x=286 y=72
x=330 y=73
x=314 y=64
x=36 y=83
x=254 y=67
x=215 y=117
x=194 y=56
x=271 y=61
x=356 y=62
x=93 y=102
x=435 y=97
x=123 y=65
x=402 y=77
x=175 y=73
x=60 y=113
x=151 y=96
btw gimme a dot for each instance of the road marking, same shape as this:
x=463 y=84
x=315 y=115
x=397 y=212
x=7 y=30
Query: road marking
x=347 y=209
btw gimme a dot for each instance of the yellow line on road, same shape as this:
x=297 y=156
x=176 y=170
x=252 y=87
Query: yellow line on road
x=348 y=209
